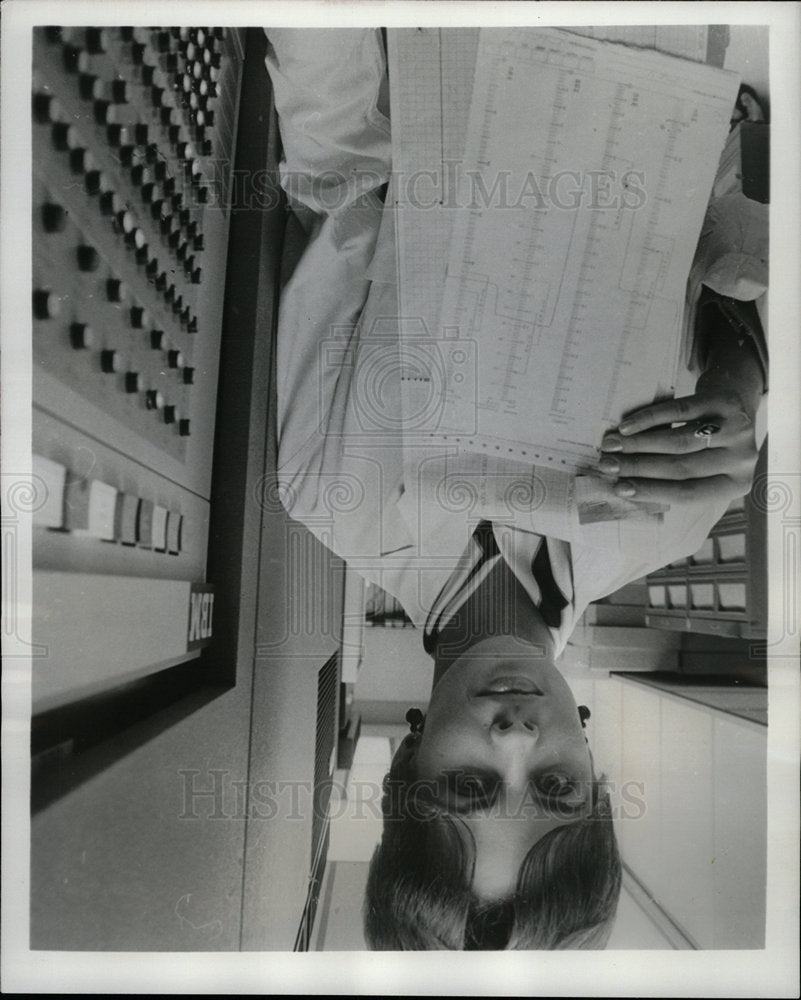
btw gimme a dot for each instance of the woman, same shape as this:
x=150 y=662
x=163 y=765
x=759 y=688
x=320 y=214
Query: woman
x=497 y=831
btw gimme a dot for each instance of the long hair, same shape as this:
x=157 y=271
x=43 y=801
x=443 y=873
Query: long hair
x=418 y=887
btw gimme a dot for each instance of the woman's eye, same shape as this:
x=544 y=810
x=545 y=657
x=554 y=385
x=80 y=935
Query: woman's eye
x=555 y=786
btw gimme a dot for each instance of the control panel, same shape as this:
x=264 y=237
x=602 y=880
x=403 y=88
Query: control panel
x=134 y=132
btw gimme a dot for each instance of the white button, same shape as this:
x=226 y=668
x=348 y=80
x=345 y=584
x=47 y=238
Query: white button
x=49 y=479
x=159 y=528
x=102 y=502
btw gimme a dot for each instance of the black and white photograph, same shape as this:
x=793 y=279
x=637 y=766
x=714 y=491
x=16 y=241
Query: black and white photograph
x=401 y=497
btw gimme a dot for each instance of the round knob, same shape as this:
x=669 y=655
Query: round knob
x=46 y=108
x=81 y=160
x=90 y=87
x=54 y=217
x=140 y=174
x=170 y=116
x=157 y=96
x=81 y=336
x=46 y=304
x=154 y=399
x=110 y=203
x=116 y=290
x=126 y=221
x=175 y=359
x=133 y=382
x=149 y=193
x=139 y=317
x=88 y=258
x=118 y=135
x=170 y=414
x=65 y=136
x=189 y=376
x=148 y=75
x=110 y=361
x=96 y=40
x=158 y=339
x=138 y=53
x=183 y=427
x=157 y=208
x=116 y=91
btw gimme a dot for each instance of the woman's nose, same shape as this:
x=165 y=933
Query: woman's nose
x=507 y=725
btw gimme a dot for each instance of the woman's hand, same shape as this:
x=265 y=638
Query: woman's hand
x=658 y=462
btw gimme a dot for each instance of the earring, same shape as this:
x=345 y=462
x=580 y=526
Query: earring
x=584 y=714
x=415 y=718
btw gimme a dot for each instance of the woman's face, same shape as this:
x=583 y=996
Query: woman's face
x=504 y=741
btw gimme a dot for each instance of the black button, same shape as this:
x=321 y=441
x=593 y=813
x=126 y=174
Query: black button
x=189 y=376
x=54 y=217
x=183 y=427
x=88 y=258
x=92 y=182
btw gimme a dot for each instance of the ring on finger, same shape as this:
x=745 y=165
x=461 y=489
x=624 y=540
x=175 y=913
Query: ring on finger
x=704 y=431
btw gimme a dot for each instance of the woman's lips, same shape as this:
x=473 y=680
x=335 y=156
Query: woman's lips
x=512 y=685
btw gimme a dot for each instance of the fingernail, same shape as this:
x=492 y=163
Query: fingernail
x=609 y=465
x=625 y=489
x=625 y=426
x=611 y=443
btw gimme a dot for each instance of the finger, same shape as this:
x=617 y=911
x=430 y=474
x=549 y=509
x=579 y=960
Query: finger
x=666 y=441
x=671 y=411
x=696 y=465
x=713 y=488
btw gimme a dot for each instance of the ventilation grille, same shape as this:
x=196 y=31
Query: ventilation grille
x=327 y=683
